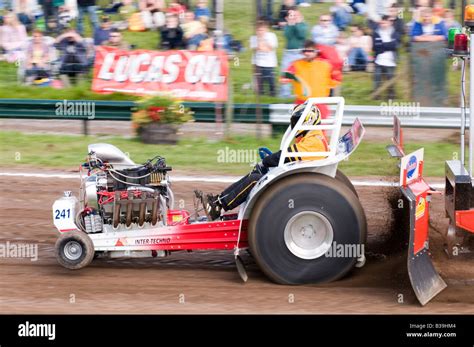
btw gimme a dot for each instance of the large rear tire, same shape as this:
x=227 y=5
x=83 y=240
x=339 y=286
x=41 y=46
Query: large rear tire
x=297 y=221
x=340 y=176
x=74 y=250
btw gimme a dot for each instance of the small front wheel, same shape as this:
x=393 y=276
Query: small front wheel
x=74 y=250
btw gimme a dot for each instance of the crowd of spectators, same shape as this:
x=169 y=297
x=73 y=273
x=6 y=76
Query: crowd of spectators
x=46 y=37
x=371 y=45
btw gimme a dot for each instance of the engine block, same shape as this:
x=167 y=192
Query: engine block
x=120 y=193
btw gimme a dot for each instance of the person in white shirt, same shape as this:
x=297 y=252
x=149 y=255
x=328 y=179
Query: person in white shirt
x=264 y=45
x=385 y=42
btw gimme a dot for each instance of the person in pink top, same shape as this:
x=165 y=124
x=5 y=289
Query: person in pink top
x=13 y=38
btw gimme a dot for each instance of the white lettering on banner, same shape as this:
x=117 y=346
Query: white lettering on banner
x=155 y=72
x=121 y=69
x=171 y=68
x=215 y=71
x=205 y=69
x=200 y=68
x=104 y=72
x=135 y=74
x=195 y=69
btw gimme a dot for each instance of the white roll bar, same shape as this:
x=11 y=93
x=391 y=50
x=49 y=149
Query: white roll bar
x=333 y=124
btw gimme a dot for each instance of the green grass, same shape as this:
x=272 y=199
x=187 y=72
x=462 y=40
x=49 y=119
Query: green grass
x=69 y=151
x=79 y=92
x=371 y=158
x=239 y=18
x=198 y=154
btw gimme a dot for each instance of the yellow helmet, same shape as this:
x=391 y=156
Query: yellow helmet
x=312 y=118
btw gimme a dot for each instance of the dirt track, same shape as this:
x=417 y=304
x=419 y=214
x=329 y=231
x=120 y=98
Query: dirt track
x=207 y=281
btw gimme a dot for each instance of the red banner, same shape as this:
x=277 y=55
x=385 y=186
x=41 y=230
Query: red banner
x=186 y=75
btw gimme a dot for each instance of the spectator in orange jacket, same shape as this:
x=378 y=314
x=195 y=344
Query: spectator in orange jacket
x=312 y=76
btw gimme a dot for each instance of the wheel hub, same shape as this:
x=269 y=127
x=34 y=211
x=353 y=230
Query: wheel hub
x=308 y=235
x=73 y=250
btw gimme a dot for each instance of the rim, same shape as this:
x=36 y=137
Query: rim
x=72 y=250
x=308 y=235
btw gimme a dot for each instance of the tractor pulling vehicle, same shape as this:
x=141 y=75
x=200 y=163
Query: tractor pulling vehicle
x=289 y=222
